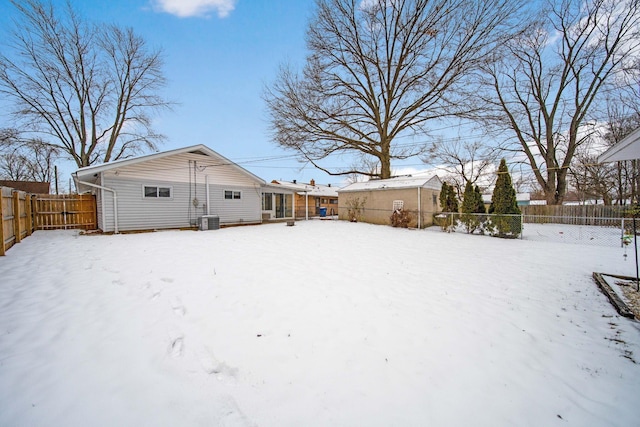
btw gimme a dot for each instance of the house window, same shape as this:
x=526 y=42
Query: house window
x=435 y=200
x=232 y=195
x=398 y=205
x=333 y=201
x=156 y=192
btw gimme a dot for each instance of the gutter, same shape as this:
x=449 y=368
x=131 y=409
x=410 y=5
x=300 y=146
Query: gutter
x=115 y=198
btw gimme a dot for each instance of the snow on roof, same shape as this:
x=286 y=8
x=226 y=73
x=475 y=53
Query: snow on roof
x=311 y=190
x=520 y=197
x=431 y=181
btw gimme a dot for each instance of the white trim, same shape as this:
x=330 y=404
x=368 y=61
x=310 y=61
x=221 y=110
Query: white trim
x=627 y=149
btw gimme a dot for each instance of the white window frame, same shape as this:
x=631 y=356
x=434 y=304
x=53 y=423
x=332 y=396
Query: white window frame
x=234 y=193
x=398 y=205
x=158 y=188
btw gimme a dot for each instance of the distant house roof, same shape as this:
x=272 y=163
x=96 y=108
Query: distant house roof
x=196 y=149
x=520 y=197
x=311 y=189
x=627 y=149
x=431 y=181
x=34 y=187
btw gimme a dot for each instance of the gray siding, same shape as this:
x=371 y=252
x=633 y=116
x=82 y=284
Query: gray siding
x=188 y=201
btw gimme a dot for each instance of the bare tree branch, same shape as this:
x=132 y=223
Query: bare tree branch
x=379 y=69
x=547 y=90
x=90 y=89
x=464 y=162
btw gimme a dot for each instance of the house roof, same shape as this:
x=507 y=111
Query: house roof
x=520 y=197
x=34 y=187
x=627 y=149
x=196 y=149
x=311 y=190
x=431 y=181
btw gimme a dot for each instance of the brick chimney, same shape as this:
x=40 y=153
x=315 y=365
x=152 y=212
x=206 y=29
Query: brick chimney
x=312 y=183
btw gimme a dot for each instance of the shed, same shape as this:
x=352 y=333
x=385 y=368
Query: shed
x=172 y=189
x=374 y=201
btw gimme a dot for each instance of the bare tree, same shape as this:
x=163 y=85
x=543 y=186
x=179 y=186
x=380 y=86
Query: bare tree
x=464 y=161
x=362 y=162
x=88 y=89
x=26 y=159
x=544 y=95
x=623 y=118
x=13 y=167
x=379 y=69
x=591 y=180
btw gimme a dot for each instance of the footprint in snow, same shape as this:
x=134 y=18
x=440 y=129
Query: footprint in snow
x=232 y=416
x=176 y=347
x=177 y=307
x=211 y=365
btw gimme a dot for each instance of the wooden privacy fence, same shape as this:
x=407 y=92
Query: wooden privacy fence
x=572 y=214
x=22 y=213
x=15 y=217
x=64 y=211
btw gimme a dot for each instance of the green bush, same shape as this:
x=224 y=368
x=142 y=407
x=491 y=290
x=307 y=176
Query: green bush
x=506 y=222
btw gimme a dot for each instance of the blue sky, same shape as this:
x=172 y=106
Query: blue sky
x=219 y=54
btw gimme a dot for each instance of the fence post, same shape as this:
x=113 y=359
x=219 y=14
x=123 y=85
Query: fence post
x=34 y=211
x=622 y=232
x=2 y=251
x=27 y=212
x=64 y=211
x=16 y=216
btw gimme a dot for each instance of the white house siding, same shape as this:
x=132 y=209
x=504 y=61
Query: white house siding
x=135 y=212
x=246 y=210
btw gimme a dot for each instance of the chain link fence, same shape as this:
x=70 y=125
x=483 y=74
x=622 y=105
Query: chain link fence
x=599 y=231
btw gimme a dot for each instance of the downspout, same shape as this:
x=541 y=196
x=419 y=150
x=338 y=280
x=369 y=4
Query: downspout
x=115 y=198
x=306 y=205
x=206 y=184
x=419 y=207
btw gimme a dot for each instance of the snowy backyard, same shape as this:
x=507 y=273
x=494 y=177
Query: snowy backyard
x=326 y=323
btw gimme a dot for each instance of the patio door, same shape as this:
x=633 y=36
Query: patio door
x=284 y=205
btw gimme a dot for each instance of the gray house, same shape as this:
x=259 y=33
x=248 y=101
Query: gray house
x=172 y=189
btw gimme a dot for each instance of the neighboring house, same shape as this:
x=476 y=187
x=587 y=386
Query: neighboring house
x=522 y=199
x=374 y=201
x=310 y=199
x=172 y=189
x=33 y=187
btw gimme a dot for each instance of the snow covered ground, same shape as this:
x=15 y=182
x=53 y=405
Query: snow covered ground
x=326 y=323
